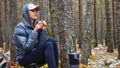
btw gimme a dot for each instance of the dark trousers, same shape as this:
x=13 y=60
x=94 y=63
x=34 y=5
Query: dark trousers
x=46 y=52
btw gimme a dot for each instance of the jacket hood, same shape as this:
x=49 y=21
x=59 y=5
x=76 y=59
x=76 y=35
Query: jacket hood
x=26 y=17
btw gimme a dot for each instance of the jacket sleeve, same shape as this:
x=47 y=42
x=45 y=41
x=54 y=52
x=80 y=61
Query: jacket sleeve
x=24 y=41
x=42 y=38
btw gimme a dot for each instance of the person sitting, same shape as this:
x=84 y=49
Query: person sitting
x=30 y=40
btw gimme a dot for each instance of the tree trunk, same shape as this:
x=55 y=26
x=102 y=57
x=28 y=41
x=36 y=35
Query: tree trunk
x=114 y=22
x=44 y=10
x=1 y=39
x=54 y=18
x=7 y=31
x=101 y=22
x=95 y=29
x=118 y=27
x=80 y=24
x=86 y=47
x=65 y=31
x=109 y=41
x=62 y=34
x=70 y=26
x=13 y=21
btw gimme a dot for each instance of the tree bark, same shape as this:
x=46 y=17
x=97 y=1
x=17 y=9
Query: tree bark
x=95 y=29
x=114 y=23
x=80 y=24
x=54 y=18
x=118 y=27
x=62 y=36
x=109 y=41
x=70 y=27
x=13 y=22
x=86 y=47
x=65 y=31
x=44 y=10
x=1 y=38
x=101 y=22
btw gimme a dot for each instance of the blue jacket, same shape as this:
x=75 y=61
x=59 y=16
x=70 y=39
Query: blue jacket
x=24 y=36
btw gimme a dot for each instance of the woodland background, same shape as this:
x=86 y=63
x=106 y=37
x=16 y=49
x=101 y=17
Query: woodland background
x=78 y=25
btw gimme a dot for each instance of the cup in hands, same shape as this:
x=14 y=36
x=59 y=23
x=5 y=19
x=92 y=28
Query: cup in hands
x=40 y=25
x=44 y=24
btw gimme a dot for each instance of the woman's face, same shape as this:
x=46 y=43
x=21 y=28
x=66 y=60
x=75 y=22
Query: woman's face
x=33 y=14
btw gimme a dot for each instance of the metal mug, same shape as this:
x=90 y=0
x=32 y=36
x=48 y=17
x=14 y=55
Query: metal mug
x=74 y=60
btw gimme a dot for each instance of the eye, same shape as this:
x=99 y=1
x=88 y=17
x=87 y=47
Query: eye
x=34 y=10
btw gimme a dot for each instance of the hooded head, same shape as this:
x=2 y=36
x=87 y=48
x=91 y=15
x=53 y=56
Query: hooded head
x=26 y=13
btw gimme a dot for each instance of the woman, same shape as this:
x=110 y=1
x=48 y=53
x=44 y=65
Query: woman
x=30 y=41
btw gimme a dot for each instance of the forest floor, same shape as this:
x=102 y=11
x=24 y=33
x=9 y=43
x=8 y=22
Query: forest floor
x=100 y=58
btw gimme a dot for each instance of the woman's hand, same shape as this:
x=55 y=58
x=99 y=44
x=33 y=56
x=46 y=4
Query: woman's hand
x=44 y=24
x=38 y=26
